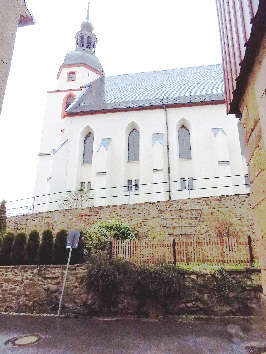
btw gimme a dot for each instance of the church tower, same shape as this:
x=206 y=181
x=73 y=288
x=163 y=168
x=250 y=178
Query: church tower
x=80 y=67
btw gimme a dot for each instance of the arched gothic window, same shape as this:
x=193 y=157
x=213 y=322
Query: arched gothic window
x=133 y=145
x=184 y=143
x=69 y=101
x=88 y=148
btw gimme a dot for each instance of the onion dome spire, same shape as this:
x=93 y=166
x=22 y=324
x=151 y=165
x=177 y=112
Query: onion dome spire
x=85 y=38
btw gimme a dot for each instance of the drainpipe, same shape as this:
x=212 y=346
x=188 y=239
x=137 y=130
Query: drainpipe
x=167 y=146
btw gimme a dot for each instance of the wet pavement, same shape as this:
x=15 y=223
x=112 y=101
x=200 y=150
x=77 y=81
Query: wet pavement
x=87 y=335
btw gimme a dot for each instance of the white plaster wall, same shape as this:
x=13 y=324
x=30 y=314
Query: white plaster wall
x=203 y=164
x=53 y=122
x=42 y=187
x=102 y=179
x=116 y=126
x=160 y=171
x=83 y=76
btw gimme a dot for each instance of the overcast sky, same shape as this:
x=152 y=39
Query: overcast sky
x=133 y=36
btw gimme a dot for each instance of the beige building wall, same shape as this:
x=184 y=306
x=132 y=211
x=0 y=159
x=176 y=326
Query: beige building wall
x=253 y=109
x=13 y=14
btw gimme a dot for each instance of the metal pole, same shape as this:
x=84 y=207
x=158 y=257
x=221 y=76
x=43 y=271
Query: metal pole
x=251 y=256
x=64 y=283
x=129 y=195
x=33 y=205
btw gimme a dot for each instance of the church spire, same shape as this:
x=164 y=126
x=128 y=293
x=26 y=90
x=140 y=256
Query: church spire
x=88 y=13
x=85 y=38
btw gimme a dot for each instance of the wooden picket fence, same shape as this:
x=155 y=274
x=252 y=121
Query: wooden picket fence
x=190 y=250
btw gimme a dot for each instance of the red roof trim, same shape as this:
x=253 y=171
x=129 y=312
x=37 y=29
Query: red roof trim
x=64 y=66
x=69 y=90
x=25 y=21
x=44 y=154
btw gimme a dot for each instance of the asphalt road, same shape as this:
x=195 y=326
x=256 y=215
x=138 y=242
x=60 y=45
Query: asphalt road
x=86 y=335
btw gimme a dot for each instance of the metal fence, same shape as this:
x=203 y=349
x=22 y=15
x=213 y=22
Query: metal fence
x=126 y=194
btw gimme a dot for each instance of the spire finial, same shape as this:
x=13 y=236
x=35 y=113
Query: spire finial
x=88 y=12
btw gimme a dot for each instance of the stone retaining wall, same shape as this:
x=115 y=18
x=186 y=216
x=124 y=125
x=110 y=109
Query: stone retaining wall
x=37 y=289
x=148 y=218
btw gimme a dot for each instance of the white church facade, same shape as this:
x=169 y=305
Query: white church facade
x=135 y=138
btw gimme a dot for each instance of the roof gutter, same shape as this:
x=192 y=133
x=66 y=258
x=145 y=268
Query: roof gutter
x=141 y=108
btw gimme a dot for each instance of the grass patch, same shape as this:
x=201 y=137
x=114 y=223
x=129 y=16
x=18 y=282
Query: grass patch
x=210 y=268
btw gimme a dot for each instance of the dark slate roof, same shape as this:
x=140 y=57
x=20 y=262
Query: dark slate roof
x=167 y=87
x=83 y=57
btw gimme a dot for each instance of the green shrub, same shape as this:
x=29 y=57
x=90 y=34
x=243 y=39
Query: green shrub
x=78 y=254
x=117 y=230
x=18 y=249
x=32 y=247
x=224 y=285
x=60 y=251
x=98 y=238
x=46 y=248
x=6 y=247
x=105 y=277
x=160 y=281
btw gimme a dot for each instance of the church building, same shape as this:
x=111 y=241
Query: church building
x=134 y=138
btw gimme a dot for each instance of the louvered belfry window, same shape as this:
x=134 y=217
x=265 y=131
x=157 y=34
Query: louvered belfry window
x=133 y=145
x=88 y=148
x=184 y=143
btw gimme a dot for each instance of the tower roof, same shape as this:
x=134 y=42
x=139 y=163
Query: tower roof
x=86 y=42
x=83 y=57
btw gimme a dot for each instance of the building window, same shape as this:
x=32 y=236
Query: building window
x=69 y=101
x=129 y=185
x=247 y=183
x=89 y=186
x=132 y=185
x=190 y=183
x=88 y=148
x=183 y=184
x=133 y=145
x=71 y=76
x=136 y=184
x=82 y=186
x=184 y=143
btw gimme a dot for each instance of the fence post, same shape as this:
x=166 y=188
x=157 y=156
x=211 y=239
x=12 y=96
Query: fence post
x=174 y=251
x=110 y=249
x=251 y=256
